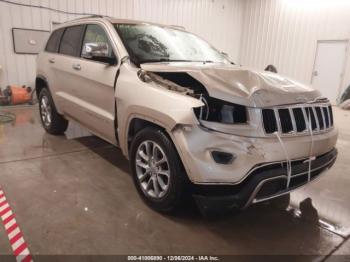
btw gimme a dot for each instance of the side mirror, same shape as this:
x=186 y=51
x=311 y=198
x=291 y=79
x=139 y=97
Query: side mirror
x=99 y=52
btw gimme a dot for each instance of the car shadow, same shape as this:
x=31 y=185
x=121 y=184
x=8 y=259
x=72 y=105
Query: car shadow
x=108 y=152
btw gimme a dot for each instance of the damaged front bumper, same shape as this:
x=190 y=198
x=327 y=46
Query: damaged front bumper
x=264 y=182
x=258 y=170
x=196 y=146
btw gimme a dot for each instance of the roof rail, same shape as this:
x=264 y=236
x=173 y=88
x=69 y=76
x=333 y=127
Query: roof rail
x=90 y=16
x=178 y=27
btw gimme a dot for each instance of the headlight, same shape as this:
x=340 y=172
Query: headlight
x=216 y=110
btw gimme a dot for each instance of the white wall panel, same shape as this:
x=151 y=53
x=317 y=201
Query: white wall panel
x=253 y=32
x=285 y=33
x=218 y=21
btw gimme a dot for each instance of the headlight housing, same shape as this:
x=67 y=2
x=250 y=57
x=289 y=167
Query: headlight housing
x=216 y=110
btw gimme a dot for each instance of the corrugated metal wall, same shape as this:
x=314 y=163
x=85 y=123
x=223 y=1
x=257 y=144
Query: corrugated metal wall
x=285 y=33
x=253 y=32
x=218 y=21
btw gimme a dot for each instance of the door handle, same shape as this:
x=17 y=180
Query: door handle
x=52 y=60
x=76 y=67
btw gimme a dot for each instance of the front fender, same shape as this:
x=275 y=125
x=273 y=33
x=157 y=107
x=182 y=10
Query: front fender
x=166 y=121
x=150 y=102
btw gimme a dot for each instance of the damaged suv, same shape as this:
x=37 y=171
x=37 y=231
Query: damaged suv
x=190 y=121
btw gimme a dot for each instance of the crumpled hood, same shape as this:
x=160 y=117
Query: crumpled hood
x=242 y=85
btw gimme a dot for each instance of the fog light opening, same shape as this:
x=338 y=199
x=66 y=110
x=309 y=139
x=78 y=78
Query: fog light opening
x=223 y=158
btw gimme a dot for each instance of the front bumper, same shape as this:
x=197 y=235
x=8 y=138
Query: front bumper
x=265 y=181
x=195 y=146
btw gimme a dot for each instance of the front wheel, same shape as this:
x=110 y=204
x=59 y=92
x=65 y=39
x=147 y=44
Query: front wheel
x=52 y=121
x=158 y=172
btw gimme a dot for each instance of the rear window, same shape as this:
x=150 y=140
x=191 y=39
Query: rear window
x=54 y=41
x=72 y=40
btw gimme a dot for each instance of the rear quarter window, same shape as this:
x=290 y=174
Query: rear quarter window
x=54 y=41
x=72 y=40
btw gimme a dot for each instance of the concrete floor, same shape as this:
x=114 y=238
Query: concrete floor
x=74 y=195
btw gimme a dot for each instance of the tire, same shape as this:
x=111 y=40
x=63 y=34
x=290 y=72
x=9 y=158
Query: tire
x=173 y=190
x=53 y=122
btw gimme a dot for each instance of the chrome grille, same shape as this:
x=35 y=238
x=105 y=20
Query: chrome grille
x=294 y=120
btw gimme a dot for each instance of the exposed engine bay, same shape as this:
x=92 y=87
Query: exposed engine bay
x=214 y=110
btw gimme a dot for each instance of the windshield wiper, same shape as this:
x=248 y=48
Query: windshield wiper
x=207 y=62
x=166 y=60
x=176 y=60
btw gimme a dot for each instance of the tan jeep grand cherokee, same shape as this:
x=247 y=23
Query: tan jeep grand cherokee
x=189 y=120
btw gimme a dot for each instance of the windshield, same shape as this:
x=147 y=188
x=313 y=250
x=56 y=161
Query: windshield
x=151 y=43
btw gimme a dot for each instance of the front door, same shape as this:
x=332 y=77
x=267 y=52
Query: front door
x=88 y=84
x=95 y=84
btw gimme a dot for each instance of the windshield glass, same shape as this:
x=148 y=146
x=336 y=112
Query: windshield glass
x=151 y=43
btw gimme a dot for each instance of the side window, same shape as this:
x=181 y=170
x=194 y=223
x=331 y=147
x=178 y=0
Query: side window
x=54 y=41
x=96 y=44
x=71 y=41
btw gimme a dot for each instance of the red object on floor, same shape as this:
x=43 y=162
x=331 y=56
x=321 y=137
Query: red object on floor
x=20 y=95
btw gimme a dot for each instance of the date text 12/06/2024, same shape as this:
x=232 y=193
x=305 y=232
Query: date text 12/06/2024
x=173 y=258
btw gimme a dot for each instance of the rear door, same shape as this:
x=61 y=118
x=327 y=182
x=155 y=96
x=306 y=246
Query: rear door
x=65 y=77
x=47 y=60
x=89 y=84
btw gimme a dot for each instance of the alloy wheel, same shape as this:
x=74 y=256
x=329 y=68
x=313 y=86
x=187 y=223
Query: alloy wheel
x=152 y=169
x=45 y=111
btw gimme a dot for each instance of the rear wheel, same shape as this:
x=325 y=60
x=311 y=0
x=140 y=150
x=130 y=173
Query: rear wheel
x=158 y=173
x=52 y=121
